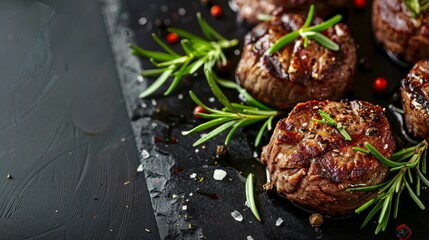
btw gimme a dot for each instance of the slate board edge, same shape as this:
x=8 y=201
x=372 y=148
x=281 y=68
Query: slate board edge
x=128 y=67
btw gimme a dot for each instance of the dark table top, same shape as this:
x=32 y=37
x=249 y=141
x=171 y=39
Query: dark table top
x=68 y=155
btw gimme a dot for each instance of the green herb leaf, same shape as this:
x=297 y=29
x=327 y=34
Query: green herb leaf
x=309 y=17
x=158 y=83
x=164 y=46
x=208 y=30
x=330 y=121
x=326 y=42
x=380 y=157
x=306 y=32
x=391 y=189
x=283 y=41
x=198 y=52
x=250 y=198
x=214 y=132
x=157 y=56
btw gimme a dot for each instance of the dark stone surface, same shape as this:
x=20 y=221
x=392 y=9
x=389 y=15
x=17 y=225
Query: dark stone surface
x=65 y=136
x=189 y=208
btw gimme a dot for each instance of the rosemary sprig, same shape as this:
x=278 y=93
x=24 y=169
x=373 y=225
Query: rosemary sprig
x=250 y=198
x=389 y=192
x=232 y=115
x=198 y=52
x=308 y=32
x=416 y=7
x=330 y=121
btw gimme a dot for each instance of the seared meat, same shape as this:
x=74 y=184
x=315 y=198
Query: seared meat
x=312 y=164
x=399 y=32
x=295 y=73
x=249 y=9
x=415 y=99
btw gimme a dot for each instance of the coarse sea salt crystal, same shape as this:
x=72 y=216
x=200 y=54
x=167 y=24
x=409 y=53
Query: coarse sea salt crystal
x=237 y=216
x=140 y=168
x=279 y=222
x=249 y=237
x=145 y=154
x=219 y=174
x=193 y=175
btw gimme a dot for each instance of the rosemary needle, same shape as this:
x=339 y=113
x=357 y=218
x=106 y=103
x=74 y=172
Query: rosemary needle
x=250 y=198
x=308 y=32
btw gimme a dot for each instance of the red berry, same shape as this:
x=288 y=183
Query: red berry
x=223 y=69
x=172 y=38
x=360 y=4
x=403 y=232
x=216 y=11
x=198 y=109
x=380 y=85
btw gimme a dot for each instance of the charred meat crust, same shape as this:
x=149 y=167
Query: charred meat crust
x=415 y=99
x=249 y=9
x=295 y=73
x=312 y=165
x=399 y=32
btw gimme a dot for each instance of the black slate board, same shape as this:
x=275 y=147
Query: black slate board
x=65 y=136
x=189 y=208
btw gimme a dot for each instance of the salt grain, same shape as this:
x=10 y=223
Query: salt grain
x=193 y=175
x=249 y=237
x=237 y=216
x=142 y=21
x=181 y=11
x=140 y=168
x=279 y=222
x=140 y=78
x=219 y=174
x=153 y=102
x=184 y=207
x=180 y=96
x=212 y=99
x=145 y=154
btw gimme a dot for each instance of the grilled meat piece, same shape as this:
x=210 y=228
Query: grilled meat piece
x=400 y=33
x=415 y=99
x=249 y=9
x=312 y=164
x=295 y=73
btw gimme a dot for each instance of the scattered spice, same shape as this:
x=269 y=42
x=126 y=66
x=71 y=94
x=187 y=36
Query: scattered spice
x=216 y=11
x=172 y=38
x=221 y=151
x=359 y=4
x=9 y=176
x=147 y=230
x=316 y=220
x=403 y=232
x=223 y=67
x=380 y=85
x=126 y=183
x=197 y=110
